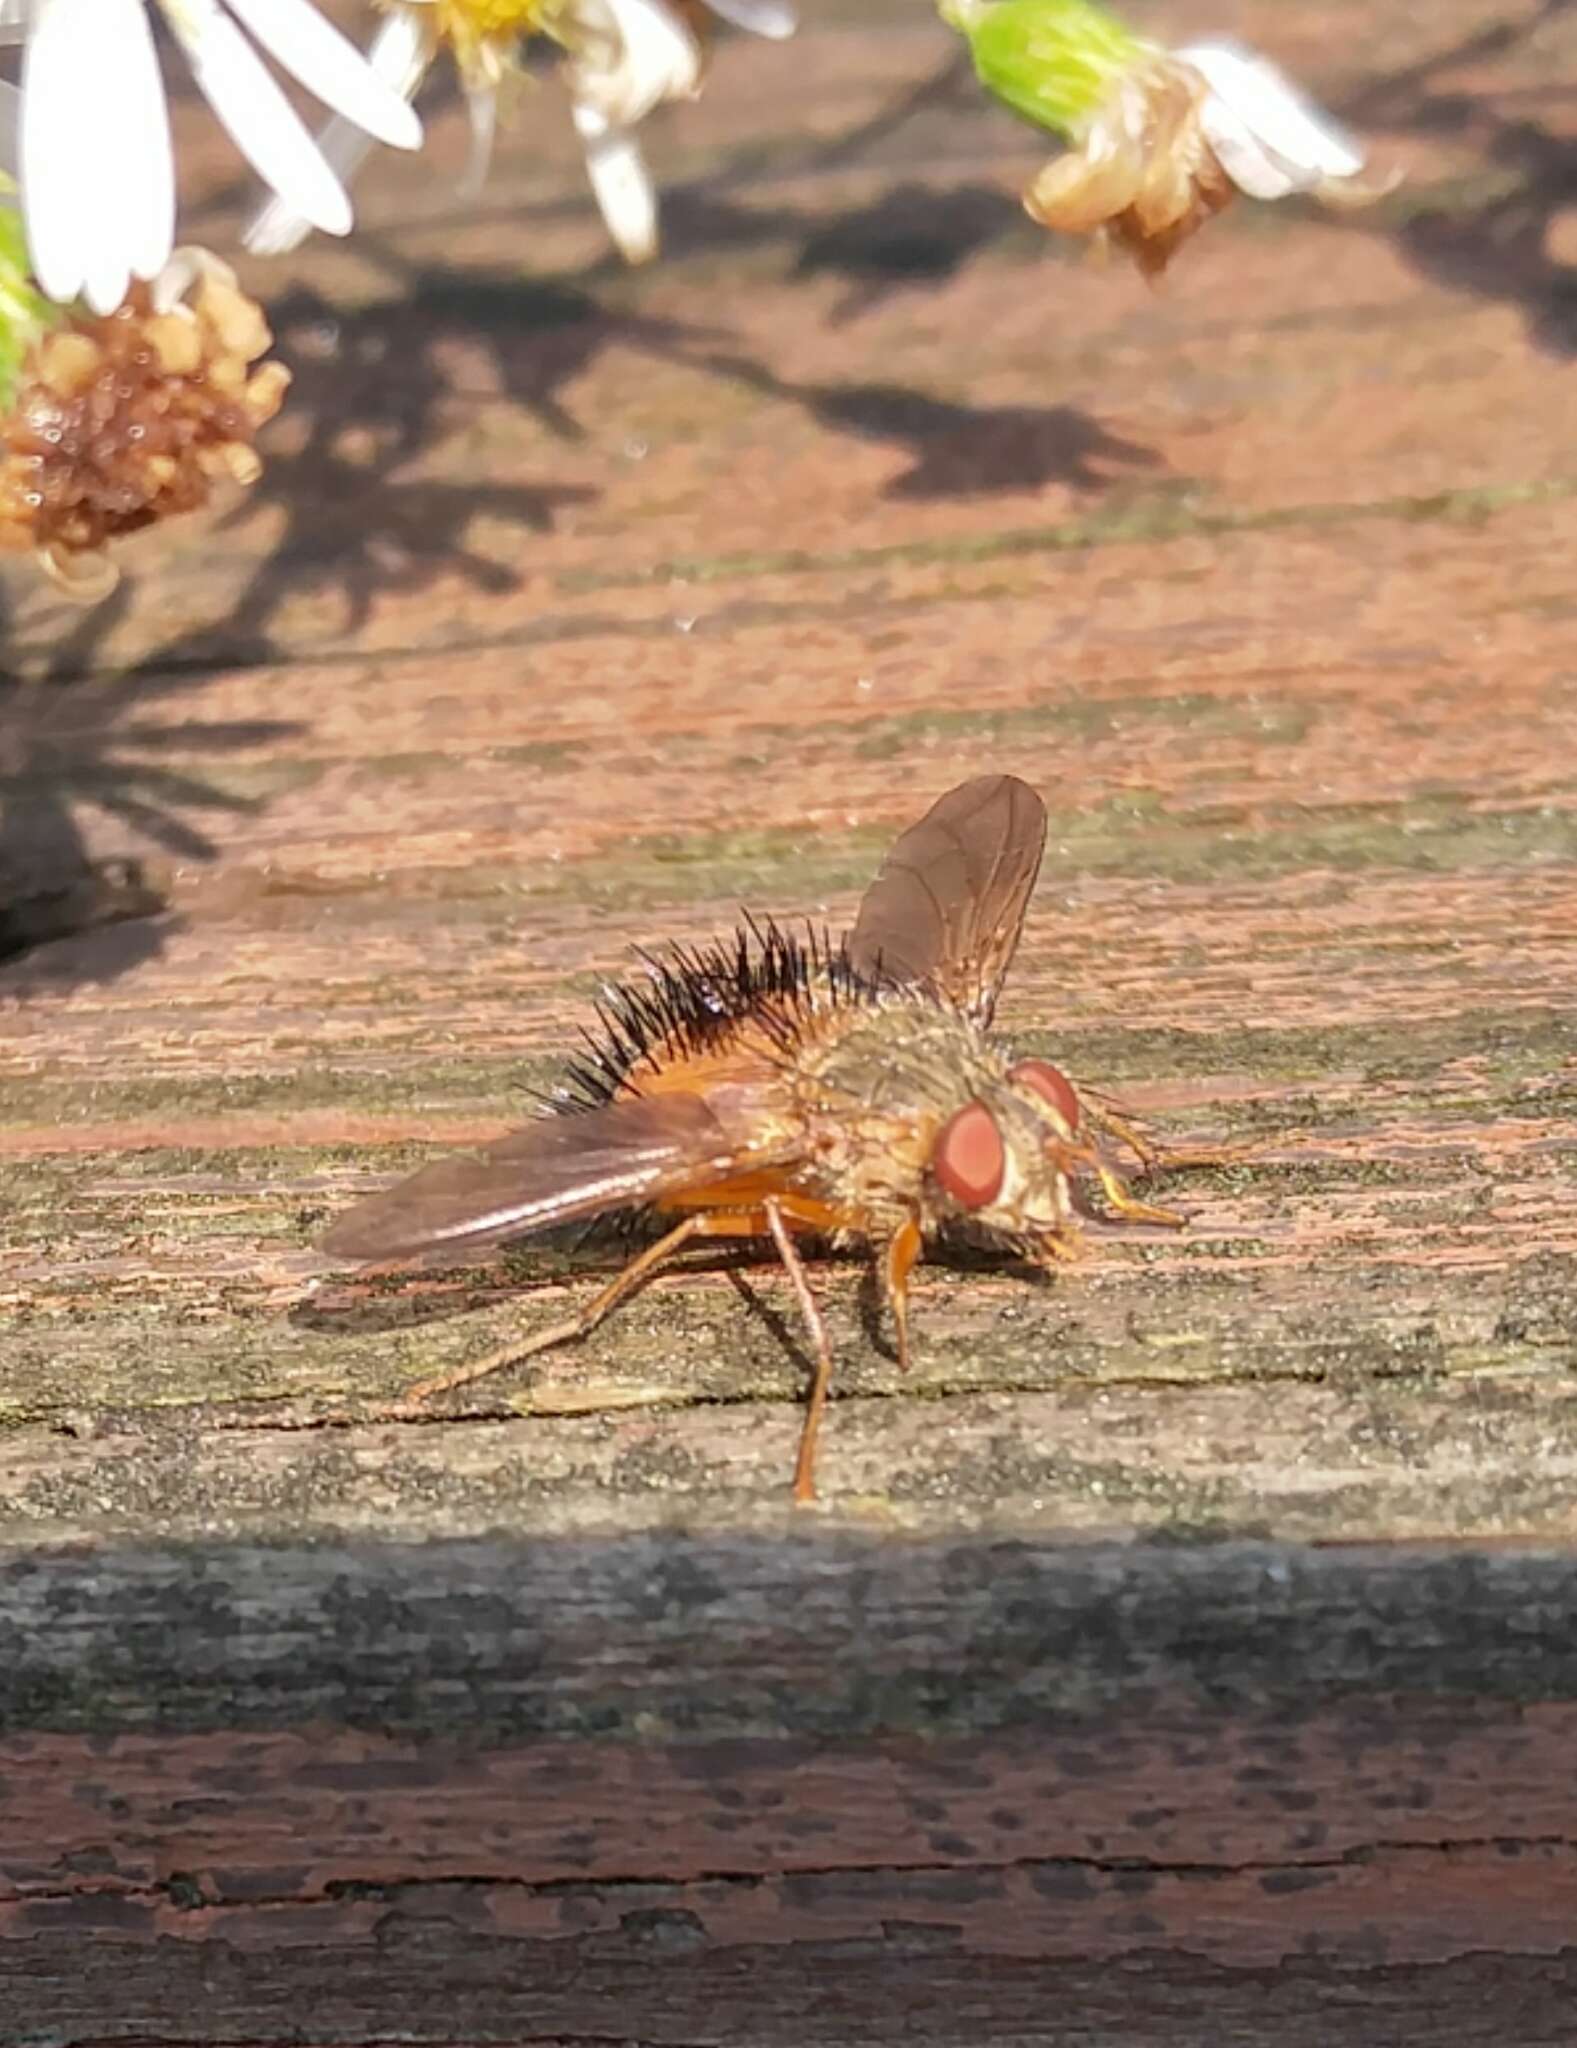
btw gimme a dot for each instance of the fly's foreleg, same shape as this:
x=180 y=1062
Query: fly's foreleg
x=1154 y=1158
x=897 y=1261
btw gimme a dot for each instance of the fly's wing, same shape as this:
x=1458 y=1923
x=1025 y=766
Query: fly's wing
x=555 y=1169
x=946 y=907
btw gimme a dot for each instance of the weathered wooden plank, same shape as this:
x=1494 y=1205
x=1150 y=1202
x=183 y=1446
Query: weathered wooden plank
x=617 y=1783
x=906 y=1992
x=739 y=1636
x=1167 y=1659
x=1420 y=1453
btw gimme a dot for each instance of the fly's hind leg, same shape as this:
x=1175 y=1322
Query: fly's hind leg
x=770 y=1217
x=716 y=1223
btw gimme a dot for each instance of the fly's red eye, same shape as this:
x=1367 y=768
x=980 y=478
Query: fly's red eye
x=1052 y=1085
x=969 y=1161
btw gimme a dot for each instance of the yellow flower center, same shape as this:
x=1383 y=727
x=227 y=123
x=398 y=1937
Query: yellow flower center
x=483 y=33
x=468 y=22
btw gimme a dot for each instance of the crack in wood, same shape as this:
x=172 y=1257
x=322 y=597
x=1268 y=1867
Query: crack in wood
x=191 y=1894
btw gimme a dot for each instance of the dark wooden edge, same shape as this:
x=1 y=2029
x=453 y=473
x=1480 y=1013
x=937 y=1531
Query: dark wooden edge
x=821 y=1789
x=432 y=1983
x=718 y=1636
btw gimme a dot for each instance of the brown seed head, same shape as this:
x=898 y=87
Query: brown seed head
x=121 y=421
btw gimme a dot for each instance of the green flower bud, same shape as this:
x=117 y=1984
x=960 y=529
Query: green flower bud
x=1053 y=61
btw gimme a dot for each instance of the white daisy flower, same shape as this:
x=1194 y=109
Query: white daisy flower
x=634 y=55
x=624 y=57
x=93 y=145
x=1183 y=133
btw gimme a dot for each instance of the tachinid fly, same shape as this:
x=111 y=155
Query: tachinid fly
x=783 y=1088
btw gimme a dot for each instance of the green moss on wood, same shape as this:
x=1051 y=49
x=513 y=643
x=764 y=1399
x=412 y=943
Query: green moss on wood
x=1157 y=516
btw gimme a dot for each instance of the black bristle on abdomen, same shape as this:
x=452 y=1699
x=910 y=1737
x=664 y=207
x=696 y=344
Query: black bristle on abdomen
x=696 y=995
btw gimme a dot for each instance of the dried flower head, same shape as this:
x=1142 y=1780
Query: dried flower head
x=120 y=420
x=1158 y=140
x=1146 y=175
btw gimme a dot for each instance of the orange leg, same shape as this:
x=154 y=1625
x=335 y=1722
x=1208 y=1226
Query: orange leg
x=777 y=1211
x=1132 y=1210
x=718 y=1223
x=769 y=1220
x=897 y=1262
x=1115 y=1187
x=794 y=1266
x=1115 y=1126
x=1154 y=1158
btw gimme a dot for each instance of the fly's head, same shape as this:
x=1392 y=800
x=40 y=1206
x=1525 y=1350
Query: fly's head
x=1003 y=1163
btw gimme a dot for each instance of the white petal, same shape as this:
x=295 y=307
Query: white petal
x=98 y=189
x=10 y=129
x=658 y=60
x=482 y=105
x=145 y=150
x=401 y=51
x=1253 y=168
x=1263 y=101
x=400 y=55
x=619 y=179
x=276 y=228
x=188 y=266
x=58 y=191
x=759 y=17
x=262 y=123
x=331 y=66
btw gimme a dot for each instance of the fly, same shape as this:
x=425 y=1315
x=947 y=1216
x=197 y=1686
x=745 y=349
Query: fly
x=785 y=1087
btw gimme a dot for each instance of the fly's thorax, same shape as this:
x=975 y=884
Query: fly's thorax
x=872 y=1086
x=909 y=1109
x=894 y=1055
